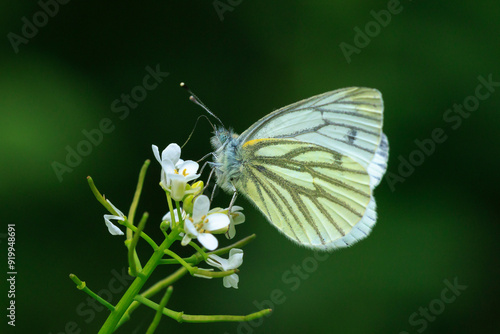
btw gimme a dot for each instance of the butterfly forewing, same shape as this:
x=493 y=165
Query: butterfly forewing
x=348 y=121
x=312 y=194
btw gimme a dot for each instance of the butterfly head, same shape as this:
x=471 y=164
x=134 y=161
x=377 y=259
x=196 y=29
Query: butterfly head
x=222 y=137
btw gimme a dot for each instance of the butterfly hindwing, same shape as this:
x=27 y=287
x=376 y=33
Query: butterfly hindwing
x=316 y=196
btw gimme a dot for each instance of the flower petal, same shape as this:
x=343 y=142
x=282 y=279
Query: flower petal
x=168 y=167
x=111 y=227
x=238 y=218
x=178 y=163
x=208 y=241
x=188 y=167
x=201 y=206
x=163 y=180
x=185 y=240
x=192 y=177
x=172 y=153
x=122 y=216
x=190 y=229
x=168 y=216
x=231 y=232
x=156 y=152
x=216 y=209
x=235 y=258
x=217 y=222
x=217 y=262
x=178 y=187
x=231 y=281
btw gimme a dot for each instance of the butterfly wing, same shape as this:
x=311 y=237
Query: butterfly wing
x=317 y=197
x=348 y=121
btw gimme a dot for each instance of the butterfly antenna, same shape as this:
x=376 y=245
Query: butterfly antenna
x=194 y=128
x=193 y=98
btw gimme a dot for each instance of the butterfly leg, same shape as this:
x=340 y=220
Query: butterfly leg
x=213 y=193
x=235 y=194
x=208 y=181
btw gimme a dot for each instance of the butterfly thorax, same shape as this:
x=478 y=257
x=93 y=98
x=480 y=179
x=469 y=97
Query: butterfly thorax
x=227 y=158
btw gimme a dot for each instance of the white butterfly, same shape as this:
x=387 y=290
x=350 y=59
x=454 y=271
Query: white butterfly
x=311 y=167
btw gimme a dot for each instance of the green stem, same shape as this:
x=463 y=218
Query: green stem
x=157 y=287
x=82 y=286
x=159 y=312
x=214 y=274
x=179 y=213
x=199 y=250
x=171 y=279
x=171 y=209
x=181 y=317
x=180 y=260
x=195 y=271
x=137 y=195
x=193 y=259
x=134 y=258
x=146 y=237
x=127 y=299
x=99 y=197
x=132 y=261
x=198 y=257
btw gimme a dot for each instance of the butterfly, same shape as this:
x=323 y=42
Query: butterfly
x=310 y=167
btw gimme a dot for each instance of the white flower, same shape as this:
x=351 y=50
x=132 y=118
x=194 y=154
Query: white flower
x=235 y=260
x=112 y=227
x=201 y=225
x=168 y=217
x=235 y=218
x=176 y=173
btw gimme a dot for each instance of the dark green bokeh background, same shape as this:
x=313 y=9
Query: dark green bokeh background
x=441 y=223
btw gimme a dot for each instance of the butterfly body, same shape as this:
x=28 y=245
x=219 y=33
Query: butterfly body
x=311 y=167
x=228 y=159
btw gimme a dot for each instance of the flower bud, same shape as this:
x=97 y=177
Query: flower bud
x=164 y=226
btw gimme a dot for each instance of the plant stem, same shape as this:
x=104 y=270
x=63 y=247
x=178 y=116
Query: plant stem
x=159 y=312
x=157 y=287
x=127 y=299
x=83 y=286
x=146 y=237
x=132 y=262
x=137 y=195
x=181 y=317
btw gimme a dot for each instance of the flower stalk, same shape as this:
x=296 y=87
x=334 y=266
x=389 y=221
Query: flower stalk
x=133 y=260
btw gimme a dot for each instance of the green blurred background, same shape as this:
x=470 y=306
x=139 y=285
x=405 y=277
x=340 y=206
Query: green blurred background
x=440 y=224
